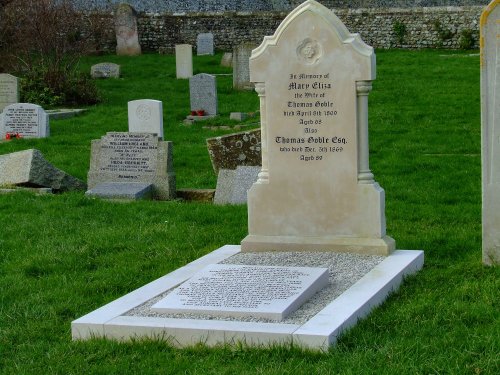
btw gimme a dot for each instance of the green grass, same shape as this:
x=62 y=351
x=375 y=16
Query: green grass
x=63 y=256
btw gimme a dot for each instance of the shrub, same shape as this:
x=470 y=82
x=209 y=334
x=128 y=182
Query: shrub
x=466 y=40
x=399 y=29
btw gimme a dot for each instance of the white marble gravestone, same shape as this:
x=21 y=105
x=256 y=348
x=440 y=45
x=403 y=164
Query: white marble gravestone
x=9 y=90
x=183 y=60
x=315 y=190
x=237 y=290
x=145 y=116
x=127 y=37
x=490 y=118
x=241 y=69
x=26 y=119
x=203 y=93
x=105 y=70
x=205 y=44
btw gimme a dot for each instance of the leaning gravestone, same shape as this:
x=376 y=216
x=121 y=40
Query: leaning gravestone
x=26 y=120
x=203 y=93
x=127 y=37
x=138 y=158
x=183 y=60
x=490 y=116
x=29 y=168
x=9 y=90
x=241 y=70
x=145 y=116
x=315 y=190
x=105 y=70
x=205 y=44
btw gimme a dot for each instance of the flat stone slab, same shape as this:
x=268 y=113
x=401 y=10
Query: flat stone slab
x=59 y=114
x=113 y=321
x=121 y=190
x=237 y=290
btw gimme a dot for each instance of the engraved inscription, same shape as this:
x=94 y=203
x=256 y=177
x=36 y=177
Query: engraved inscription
x=22 y=120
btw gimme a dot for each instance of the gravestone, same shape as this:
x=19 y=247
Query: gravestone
x=490 y=118
x=205 y=44
x=30 y=168
x=241 y=70
x=234 y=290
x=145 y=116
x=139 y=158
x=233 y=184
x=203 y=93
x=227 y=60
x=105 y=70
x=127 y=37
x=229 y=151
x=25 y=119
x=9 y=90
x=183 y=60
x=315 y=190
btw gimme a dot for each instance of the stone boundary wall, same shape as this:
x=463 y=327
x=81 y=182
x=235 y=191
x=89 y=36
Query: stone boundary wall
x=433 y=27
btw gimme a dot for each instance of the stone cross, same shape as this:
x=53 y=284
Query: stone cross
x=315 y=190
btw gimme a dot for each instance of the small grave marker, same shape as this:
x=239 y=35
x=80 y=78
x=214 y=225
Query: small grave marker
x=105 y=70
x=241 y=70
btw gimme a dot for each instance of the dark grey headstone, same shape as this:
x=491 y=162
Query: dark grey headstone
x=203 y=93
x=205 y=44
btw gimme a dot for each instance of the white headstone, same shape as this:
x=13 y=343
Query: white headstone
x=203 y=93
x=184 y=60
x=236 y=290
x=315 y=190
x=9 y=90
x=241 y=69
x=145 y=116
x=127 y=37
x=490 y=118
x=105 y=70
x=25 y=119
x=205 y=44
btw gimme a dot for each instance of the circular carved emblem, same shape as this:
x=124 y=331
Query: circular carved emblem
x=143 y=112
x=309 y=51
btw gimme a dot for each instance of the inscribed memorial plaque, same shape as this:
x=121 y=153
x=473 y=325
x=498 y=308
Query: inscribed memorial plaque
x=9 y=90
x=236 y=290
x=26 y=119
x=315 y=190
x=203 y=93
x=490 y=118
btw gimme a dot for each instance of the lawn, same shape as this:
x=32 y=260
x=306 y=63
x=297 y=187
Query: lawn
x=62 y=256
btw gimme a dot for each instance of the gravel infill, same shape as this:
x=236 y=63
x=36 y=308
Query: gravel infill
x=344 y=268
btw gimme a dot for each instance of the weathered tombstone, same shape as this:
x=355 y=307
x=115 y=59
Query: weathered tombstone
x=183 y=60
x=229 y=151
x=227 y=60
x=139 y=158
x=205 y=44
x=315 y=190
x=26 y=120
x=145 y=116
x=127 y=37
x=29 y=168
x=233 y=184
x=203 y=93
x=490 y=118
x=241 y=70
x=9 y=90
x=105 y=70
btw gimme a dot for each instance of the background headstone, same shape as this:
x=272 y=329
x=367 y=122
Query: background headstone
x=315 y=190
x=233 y=184
x=184 y=60
x=26 y=119
x=133 y=157
x=490 y=118
x=203 y=93
x=105 y=70
x=229 y=151
x=145 y=116
x=29 y=168
x=205 y=44
x=227 y=60
x=9 y=90
x=241 y=70
x=127 y=37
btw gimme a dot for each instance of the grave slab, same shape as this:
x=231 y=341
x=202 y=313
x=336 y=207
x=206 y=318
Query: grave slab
x=121 y=191
x=321 y=331
x=241 y=69
x=233 y=184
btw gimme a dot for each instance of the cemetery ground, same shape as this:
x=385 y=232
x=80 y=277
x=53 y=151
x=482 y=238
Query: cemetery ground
x=62 y=256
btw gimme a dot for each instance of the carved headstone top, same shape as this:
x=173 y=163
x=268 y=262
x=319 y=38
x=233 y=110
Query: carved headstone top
x=127 y=37
x=315 y=190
